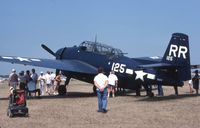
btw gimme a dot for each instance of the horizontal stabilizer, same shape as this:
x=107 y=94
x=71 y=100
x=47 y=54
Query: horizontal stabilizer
x=195 y=66
x=157 y=65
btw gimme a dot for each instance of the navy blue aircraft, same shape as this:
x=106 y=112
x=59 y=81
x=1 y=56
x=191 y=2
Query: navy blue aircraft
x=81 y=62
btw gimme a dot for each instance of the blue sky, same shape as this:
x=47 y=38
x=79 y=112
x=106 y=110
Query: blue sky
x=138 y=27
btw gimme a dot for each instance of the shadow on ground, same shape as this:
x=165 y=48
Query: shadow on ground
x=127 y=94
x=170 y=97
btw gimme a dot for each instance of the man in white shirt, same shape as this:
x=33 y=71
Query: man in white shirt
x=101 y=81
x=13 y=79
x=48 y=83
x=41 y=80
x=112 y=83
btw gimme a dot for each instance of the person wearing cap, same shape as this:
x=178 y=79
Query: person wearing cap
x=41 y=80
x=112 y=83
x=13 y=79
x=195 y=81
x=48 y=83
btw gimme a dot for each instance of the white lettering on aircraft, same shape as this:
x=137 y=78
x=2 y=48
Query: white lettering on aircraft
x=182 y=51
x=176 y=51
x=117 y=67
x=121 y=68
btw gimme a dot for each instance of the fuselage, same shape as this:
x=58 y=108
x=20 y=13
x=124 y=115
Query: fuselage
x=127 y=69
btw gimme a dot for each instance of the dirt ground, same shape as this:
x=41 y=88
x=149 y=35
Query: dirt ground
x=79 y=110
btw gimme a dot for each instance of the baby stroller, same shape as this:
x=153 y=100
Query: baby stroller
x=17 y=103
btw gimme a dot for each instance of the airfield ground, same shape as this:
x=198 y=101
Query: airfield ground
x=79 y=110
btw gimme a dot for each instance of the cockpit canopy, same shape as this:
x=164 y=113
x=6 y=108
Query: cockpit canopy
x=99 y=48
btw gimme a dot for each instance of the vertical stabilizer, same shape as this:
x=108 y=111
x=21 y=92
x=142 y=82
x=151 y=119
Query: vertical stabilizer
x=178 y=55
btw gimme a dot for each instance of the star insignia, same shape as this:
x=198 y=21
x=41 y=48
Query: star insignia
x=140 y=75
x=23 y=59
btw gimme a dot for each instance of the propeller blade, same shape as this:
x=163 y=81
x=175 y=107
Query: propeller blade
x=48 y=50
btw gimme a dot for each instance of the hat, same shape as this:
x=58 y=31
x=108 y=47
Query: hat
x=13 y=70
x=41 y=72
x=11 y=88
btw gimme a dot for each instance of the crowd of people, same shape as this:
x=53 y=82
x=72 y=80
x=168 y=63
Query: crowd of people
x=31 y=82
x=105 y=85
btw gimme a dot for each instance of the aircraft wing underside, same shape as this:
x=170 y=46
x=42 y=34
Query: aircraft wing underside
x=67 y=65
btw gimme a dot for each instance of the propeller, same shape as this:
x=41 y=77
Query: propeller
x=48 y=50
x=53 y=53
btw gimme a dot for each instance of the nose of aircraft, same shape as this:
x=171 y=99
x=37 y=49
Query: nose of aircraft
x=59 y=53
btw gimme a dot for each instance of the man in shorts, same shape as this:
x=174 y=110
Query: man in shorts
x=112 y=83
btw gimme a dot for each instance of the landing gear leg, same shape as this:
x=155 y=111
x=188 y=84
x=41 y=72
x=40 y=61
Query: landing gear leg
x=148 y=89
x=67 y=81
x=62 y=89
x=138 y=90
x=94 y=89
x=176 y=90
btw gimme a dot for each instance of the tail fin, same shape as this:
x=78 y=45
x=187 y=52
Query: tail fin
x=178 y=55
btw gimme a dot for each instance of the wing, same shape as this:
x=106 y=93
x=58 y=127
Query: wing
x=67 y=65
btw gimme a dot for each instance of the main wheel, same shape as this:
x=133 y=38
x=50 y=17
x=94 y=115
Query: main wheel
x=151 y=94
x=62 y=90
x=94 y=89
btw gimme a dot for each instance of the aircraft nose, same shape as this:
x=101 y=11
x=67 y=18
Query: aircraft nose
x=59 y=53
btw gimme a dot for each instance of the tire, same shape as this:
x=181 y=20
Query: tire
x=62 y=90
x=94 y=89
x=151 y=94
